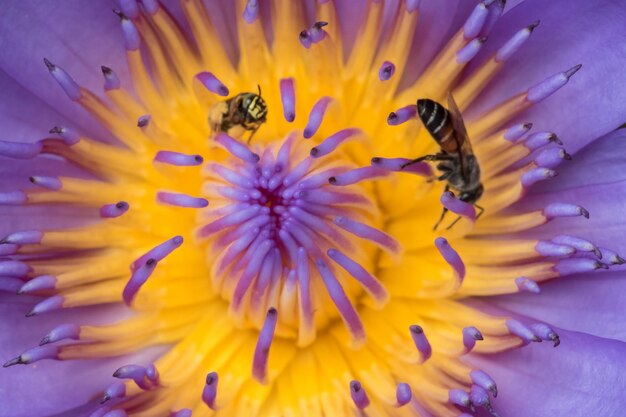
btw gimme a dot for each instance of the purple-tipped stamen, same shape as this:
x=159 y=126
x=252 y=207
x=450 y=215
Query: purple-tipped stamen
x=369 y=282
x=150 y=6
x=50 y=183
x=13 y=198
x=459 y=397
x=479 y=397
x=527 y=284
x=451 y=257
x=185 y=412
x=470 y=335
x=578 y=244
x=19 y=150
x=61 y=332
x=115 y=390
x=69 y=136
x=545 y=332
x=49 y=304
x=27 y=237
x=8 y=249
x=159 y=252
x=539 y=139
x=495 y=8
x=515 y=43
x=516 y=132
x=144 y=120
x=135 y=372
x=114 y=210
x=42 y=282
x=550 y=85
x=519 y=329
x=482 y=379
x=251 y=11
x=111 y=80
x=535 y=175
x=66 y=82
x=317 y=32
x=288 y=98
x=469 y=51
x=357 y=175
x=137 y=279
x=552 y=157
x=153 y=374
x=231 y=219
x=475 y=22
x=132 y=39
x=305 y=39
x=333 y=141
x=236 y=148
x=402 y=115
x=403 y=394
x=386 y=71
x=554 y=210
x=212 y=83
x=396 y=165
x=459 y=207
x=178 y=159
x=316 y=116
x=181 y=200
x=33 y=355
x=209 y=393
x=358 y=394
x=546 y=248
x=575 y=266
x=263 y=345
x=254 y=260
x=130 y=8
x=608 y=255
x=412 y=5
x=421 y=342
x=342 y=302
x=367 y=232
x=9 y=268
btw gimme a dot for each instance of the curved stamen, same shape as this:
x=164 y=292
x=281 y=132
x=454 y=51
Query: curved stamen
x=209 y=392
x=288 y=98
x=263 y=344
x=403 y=394
x=386 y=71
x=358 y=394
x=421 y=342
x=114 y=210
x=111 y=80
x=66 y=82
x=212 y=83
x=316 y=116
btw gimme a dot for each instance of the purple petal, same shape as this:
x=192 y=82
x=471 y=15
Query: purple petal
x=582 y=377
x=571 y=32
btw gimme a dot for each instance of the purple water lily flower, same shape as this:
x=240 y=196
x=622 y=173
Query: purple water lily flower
x=213 y=207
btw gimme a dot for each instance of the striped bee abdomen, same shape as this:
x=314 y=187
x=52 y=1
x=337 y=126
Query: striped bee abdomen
x=436 y=118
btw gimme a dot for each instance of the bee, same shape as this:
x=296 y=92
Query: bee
x=245 y=110
x=456 y=160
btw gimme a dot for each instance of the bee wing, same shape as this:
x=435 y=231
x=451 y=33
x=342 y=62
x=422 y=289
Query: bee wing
x=463 y=142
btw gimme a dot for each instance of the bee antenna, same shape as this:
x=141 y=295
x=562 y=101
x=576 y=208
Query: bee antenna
x=259 y=86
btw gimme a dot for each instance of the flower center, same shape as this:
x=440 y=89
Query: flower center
x=292 y=230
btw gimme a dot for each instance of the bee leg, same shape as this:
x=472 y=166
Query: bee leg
x=481 y=210
x=252 y=134
x=453 y=223
x=436 y=157
x=443 y=214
